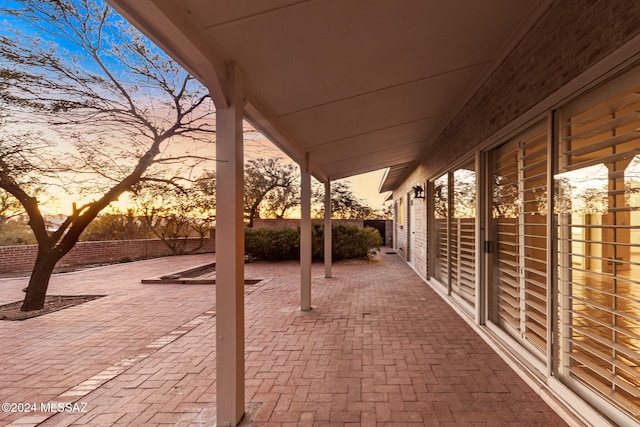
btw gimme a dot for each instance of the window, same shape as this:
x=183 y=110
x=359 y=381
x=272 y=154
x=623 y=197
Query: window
x=441 y=229
x=454 y=219
x=463 y=233
x=598 y=211
x=519 y=230
x=401 y=212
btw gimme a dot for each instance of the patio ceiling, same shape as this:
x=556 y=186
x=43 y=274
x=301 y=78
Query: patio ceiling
x=360 y=85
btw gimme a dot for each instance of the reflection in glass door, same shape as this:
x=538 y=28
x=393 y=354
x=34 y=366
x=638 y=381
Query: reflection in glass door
x=598 y=209
x=454 y=232
x=463 y=233
x=519 y=226
x=441 y=229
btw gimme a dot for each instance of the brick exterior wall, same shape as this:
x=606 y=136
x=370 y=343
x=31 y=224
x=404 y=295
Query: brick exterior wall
x=570 y=37
x=415 y=214
x=22 y=258
x=574 y=44
x=402 y=245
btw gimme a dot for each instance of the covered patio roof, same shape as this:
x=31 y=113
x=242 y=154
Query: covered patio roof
x=356 y=85
x=342 y=87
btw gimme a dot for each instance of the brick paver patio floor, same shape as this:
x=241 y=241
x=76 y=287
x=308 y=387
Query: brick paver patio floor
x=379 y=348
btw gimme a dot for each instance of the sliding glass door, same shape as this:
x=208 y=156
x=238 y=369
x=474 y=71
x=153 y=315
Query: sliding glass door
x=598 y=208
x=518 y=291
x=454 y=232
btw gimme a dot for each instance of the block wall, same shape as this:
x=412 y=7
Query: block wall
x=22 y=258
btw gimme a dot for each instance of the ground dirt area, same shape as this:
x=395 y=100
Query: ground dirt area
x=52 y=303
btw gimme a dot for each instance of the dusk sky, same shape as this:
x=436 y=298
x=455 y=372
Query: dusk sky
x=256 y=145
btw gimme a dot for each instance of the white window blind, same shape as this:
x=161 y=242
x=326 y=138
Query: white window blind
x=463 y=233
x=598 y=207
x=441 y=230
x=519 y=303
x=454 y=202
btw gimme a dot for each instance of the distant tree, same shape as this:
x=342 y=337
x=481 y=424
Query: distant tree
x=205 y=187
x=571 y=198
x=261 y=178
x=110 y=107
x=280 y=201
x=117 y=225
x=16 y=231
x=272 y=190
x=506 y=201
x=387 y=211
x=344 y=203
x=441 y=198
x=464 y=194
x=9 y=208
x=174 y=215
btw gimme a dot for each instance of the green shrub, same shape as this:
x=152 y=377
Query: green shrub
x=272 y=244
x=317 y=241
x=350 y=242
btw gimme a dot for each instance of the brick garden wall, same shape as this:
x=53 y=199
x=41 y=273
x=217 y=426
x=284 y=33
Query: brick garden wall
x=22 y=258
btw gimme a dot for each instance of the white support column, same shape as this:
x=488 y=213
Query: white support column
x=327 y=229
x=305 y=237
x=230 y=261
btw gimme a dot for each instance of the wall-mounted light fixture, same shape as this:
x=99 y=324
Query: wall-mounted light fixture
x=418 y=192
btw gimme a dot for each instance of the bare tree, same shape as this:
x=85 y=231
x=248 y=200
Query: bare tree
x=261 y=178
x=174 y=215
x=116 y=224
x=280 y=201
x=105 y=109
x=272 y=189
x=344 y=203
x=9 y=208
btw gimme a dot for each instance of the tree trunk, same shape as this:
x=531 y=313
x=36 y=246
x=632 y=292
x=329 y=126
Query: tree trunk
x=39 y=281
x=197 y=248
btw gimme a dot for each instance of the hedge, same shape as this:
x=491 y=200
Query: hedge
x=272 y=244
